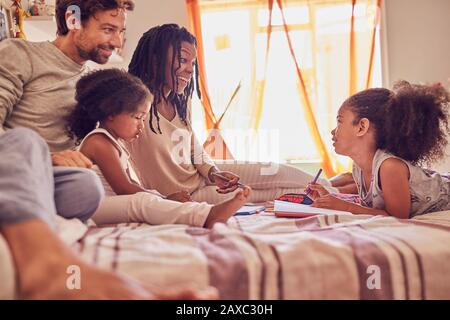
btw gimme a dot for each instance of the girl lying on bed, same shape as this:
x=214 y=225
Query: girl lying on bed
x=388 y=135
x=112 y=107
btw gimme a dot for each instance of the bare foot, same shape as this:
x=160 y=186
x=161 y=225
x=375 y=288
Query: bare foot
x=222 y=211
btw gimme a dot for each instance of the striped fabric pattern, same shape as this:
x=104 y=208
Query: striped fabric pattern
x=263 y=257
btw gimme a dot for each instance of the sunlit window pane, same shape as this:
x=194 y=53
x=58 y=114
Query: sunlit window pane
x=293 y=15
x=235 y=42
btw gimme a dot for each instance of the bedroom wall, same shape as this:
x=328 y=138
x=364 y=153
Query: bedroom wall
x=417 y=40
x=417 y=45
x=149 y=13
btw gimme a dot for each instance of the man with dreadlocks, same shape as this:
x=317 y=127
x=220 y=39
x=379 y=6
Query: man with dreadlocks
x=166 y=61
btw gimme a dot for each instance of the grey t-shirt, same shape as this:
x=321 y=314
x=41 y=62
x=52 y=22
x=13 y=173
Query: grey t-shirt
x=37 y=89
x=430 y=191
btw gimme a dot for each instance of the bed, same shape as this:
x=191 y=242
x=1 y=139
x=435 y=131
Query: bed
x=264 y=257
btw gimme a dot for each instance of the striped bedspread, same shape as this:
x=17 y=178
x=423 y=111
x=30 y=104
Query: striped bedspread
x=263 y=257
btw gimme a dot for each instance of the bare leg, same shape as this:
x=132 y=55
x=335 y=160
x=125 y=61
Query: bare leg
x=42 y=259
x=223 y=211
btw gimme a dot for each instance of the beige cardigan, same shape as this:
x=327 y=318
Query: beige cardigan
x=172 y=161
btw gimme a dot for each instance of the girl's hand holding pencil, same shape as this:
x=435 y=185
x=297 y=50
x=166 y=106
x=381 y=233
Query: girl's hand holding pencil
x=315 y=190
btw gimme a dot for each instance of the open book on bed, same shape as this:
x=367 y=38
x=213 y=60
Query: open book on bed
x=289 y=209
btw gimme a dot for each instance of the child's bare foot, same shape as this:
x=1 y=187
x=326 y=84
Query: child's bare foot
x=222 y=211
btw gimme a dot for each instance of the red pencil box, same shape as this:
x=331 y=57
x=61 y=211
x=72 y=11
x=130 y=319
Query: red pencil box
x=295 y=198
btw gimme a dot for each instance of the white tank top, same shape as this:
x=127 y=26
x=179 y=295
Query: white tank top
x=124 y=157
x=430 y=191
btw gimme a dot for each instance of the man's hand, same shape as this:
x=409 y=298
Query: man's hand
x=69 y=158
x=181 y=196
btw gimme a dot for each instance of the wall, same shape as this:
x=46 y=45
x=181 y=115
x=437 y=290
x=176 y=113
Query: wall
x=417 y=43
x=147 y=14
x=40 y=30
x=418 y=40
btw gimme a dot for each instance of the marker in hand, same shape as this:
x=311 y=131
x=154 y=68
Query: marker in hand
x=218 y=175
x=308 y=190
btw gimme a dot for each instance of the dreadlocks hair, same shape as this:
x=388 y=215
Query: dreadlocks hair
x=411 y=122
x=104 y=93
x=149 y=65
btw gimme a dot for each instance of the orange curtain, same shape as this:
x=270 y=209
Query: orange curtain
x=327 y=161
x=261 y=85
x=353 y=81
x=353 y=69
x=327 y=164
x=214 y=145
x=372 y=45
x=193 y=10
x=353 y=74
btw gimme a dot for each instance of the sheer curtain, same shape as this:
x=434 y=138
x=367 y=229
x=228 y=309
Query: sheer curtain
x=289 y=65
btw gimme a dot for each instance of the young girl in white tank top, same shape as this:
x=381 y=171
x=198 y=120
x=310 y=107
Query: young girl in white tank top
x=112 y=106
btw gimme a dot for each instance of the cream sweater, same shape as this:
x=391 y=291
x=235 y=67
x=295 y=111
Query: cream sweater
x=172 y=161
x=37 y=89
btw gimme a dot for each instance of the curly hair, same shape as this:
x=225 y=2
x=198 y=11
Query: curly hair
x=104 y=93
x=88 y=8
x=411 y=121
x=149 y=64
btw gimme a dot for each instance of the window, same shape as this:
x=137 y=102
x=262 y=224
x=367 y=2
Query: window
x=235 y=39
